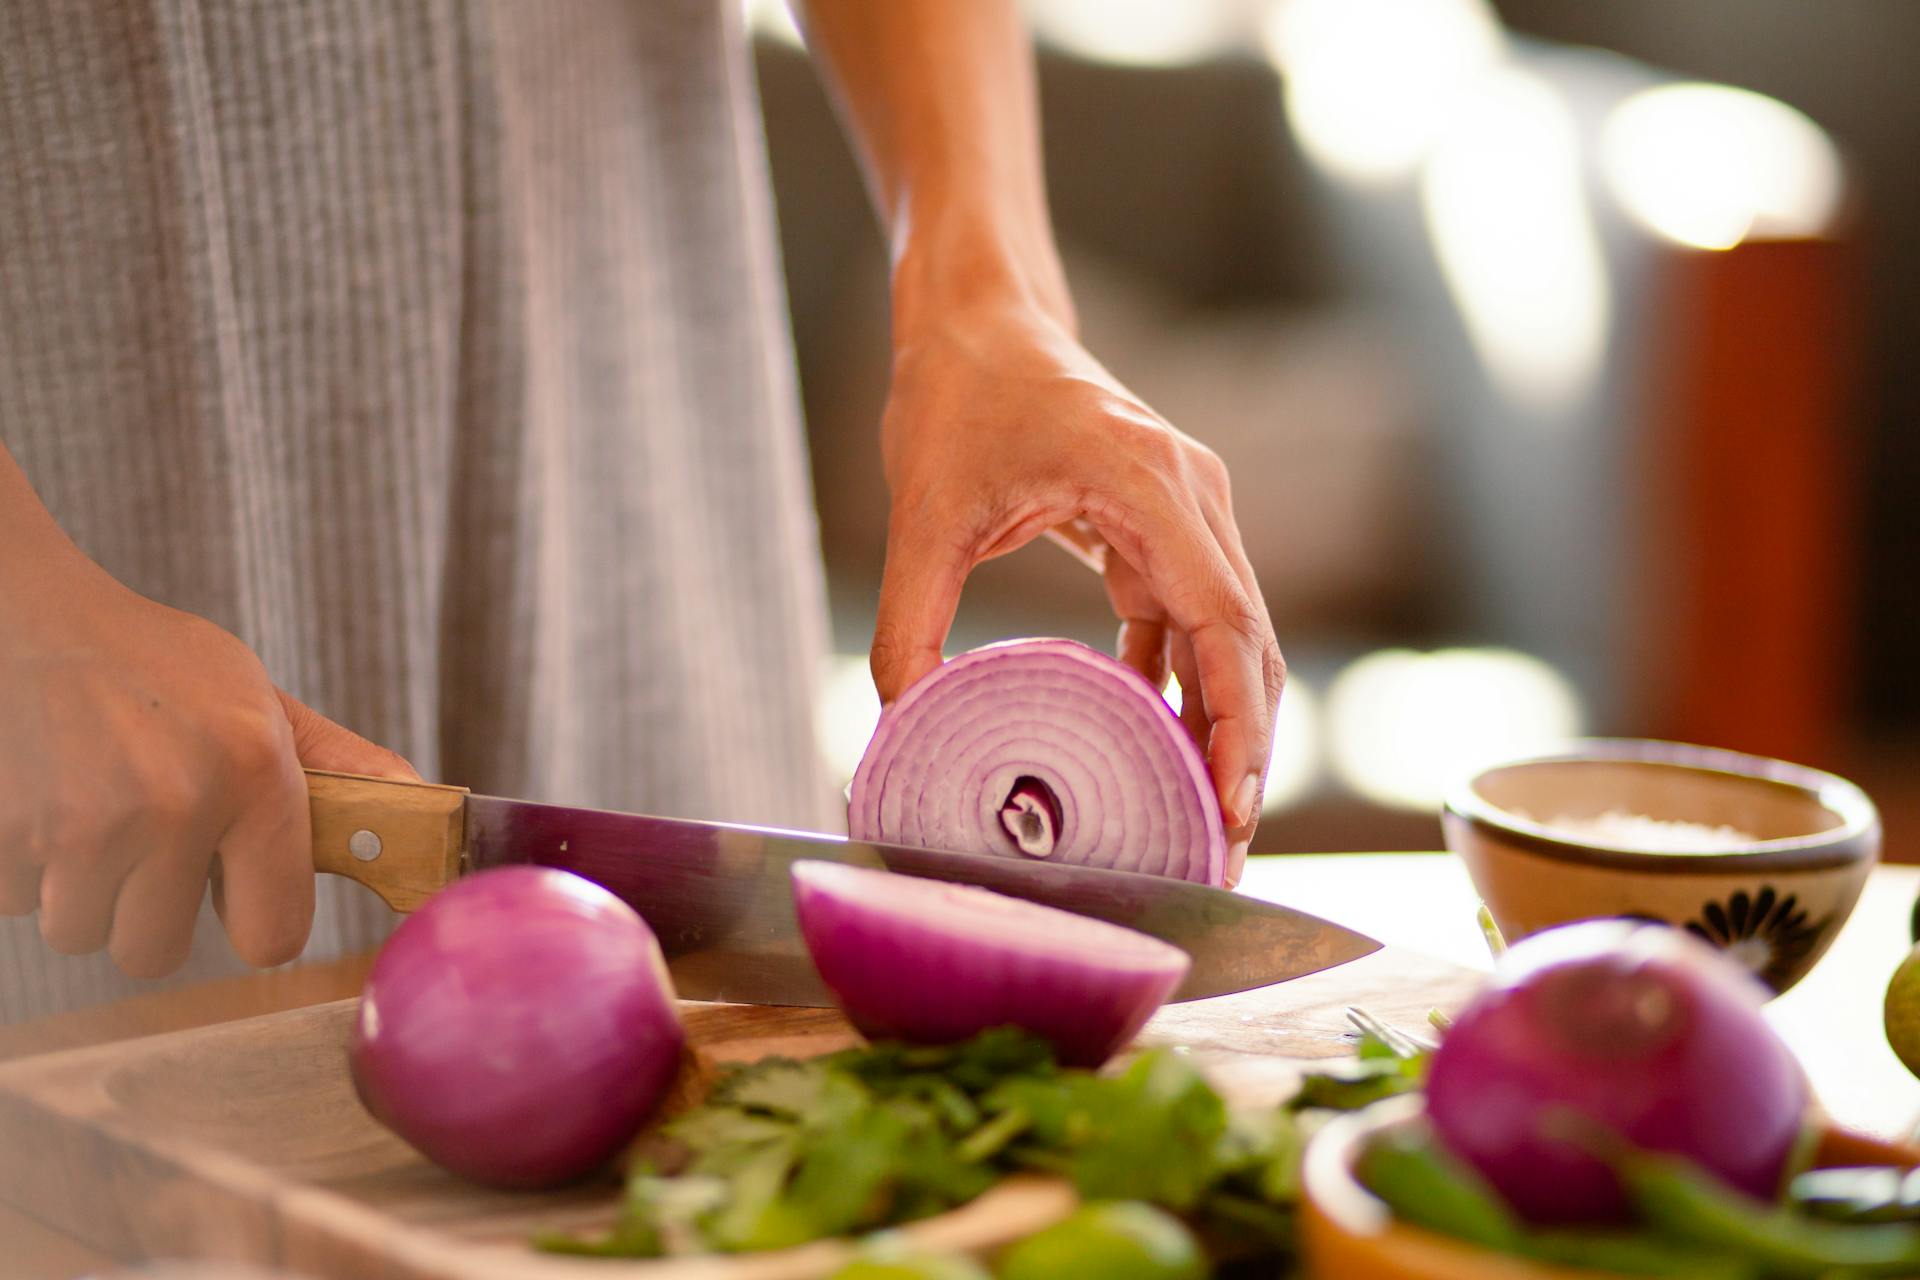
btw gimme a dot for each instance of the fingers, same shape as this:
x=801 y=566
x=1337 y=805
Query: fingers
x=919 y=594
x=19 y=888
x=264 y=886
x=1190 y=574
x=1237 y=860
x=1193 y=714
x=155 y=913
x=1143 y=622
x=1193 y=710
x=1273 y=669
x=322 y=744
x=76 y=901
x=1273 y=666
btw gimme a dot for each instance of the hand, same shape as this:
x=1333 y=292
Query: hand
x=137 y=745
x=999 y=428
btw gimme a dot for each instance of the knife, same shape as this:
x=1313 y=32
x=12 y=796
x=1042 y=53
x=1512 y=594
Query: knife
x=718 y=898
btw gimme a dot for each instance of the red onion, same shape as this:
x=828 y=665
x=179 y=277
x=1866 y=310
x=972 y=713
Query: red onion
x=519 y=1028
x=1044 y=748
x=935 y=963
x=1607 y=1031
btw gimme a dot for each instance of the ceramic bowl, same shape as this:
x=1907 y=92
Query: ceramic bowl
x=1774 y=904
x=1348 y=1233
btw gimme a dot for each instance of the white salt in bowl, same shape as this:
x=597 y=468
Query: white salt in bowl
x=1762 y=858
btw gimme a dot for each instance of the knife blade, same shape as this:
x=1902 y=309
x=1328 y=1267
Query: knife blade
x=717 y=895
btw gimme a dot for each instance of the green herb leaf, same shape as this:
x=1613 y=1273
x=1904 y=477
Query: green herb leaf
x=784 y=1152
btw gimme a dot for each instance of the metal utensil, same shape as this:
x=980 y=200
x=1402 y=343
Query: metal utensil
x=719 y=899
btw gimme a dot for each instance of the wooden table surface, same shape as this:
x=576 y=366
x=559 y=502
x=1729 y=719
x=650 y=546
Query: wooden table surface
x=1421 y=902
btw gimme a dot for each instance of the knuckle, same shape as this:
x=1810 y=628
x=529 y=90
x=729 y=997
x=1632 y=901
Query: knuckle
x=890 y=652
x=68 y=828
x=255 y=741
x=1157 y=447
x=1209 y=469
x=168 y=797
x=1274 y=668
x=1244 y=619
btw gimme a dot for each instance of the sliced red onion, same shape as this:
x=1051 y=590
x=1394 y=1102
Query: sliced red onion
x=930 y=962
x=518 y=1029
x=1042 y=748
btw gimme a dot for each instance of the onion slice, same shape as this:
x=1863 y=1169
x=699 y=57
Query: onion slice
x=930 y=962
x=1043 y=749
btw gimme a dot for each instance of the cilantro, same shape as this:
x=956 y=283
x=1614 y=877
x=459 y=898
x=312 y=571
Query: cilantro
x=1153 y=1136
x=1380 y=1070
x=783 y=1152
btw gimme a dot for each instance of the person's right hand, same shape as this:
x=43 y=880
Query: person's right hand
x=137 y=745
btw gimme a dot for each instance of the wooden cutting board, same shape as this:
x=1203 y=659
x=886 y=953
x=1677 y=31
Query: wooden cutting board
x=245 y=1141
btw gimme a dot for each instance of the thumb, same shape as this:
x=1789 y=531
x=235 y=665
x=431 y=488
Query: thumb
x=322 y=744
x=919 y=594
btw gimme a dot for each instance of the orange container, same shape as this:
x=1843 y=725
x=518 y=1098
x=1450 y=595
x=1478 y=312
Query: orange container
x=1348 y=1233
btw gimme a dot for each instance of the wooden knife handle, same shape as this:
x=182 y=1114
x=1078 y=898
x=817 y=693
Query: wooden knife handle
x=403 y=840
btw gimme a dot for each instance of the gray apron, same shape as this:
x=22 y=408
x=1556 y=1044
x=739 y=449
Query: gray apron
x=437 y=349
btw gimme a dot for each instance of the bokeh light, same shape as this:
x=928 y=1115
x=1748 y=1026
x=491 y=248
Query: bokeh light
x=1404 y=727
x=1506 y=206
x=1295 y=766
x=1150 y=33
x=774 y=19
x=1708 y=166
x=1371 y=83
x=1296 y=748
x=845 y=714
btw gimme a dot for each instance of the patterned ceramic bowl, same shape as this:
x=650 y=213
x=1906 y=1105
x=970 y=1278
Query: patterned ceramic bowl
x=1572 y=836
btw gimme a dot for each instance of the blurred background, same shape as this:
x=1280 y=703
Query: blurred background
x=1556 y=349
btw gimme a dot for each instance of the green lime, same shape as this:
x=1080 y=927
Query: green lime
x=913 y=1266
x=1121 y=1240
x=1903 y=1011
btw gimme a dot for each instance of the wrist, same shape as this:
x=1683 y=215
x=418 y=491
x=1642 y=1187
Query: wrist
x=42 y=572
x=961 y=259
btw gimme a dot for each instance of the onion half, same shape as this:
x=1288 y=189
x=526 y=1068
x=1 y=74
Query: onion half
x=1047 y=749
x=518 y=1029
x=1610 y=1031
x=930 y=962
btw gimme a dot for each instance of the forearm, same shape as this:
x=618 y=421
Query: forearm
x=938 y=97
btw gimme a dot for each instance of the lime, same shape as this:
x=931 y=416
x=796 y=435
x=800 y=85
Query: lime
x=1121 y=1240
x=913 y=1266
x=1903 y=1011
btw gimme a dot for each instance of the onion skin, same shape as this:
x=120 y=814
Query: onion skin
x=996 y=745
x=929 y=962
x=1614 y=1031
x=518 y=1029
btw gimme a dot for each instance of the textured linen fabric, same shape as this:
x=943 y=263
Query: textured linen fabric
x=437 y=348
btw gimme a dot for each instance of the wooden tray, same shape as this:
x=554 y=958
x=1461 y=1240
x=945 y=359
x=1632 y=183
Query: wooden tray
x=245 y=1141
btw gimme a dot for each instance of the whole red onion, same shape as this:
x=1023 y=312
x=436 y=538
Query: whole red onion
x=519 y=1028
x=1044 y=748
x=1610 y=1031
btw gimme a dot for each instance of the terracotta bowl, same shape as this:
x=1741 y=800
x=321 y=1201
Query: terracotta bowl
x=1348 y=1233
x=1774 y=904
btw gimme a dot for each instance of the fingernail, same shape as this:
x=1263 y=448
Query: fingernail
x=1236 y=862
x=1245 y=796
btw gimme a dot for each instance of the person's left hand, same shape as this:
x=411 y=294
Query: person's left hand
x=1000 y=427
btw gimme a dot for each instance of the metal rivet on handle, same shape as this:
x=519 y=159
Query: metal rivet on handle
x=364 y=845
